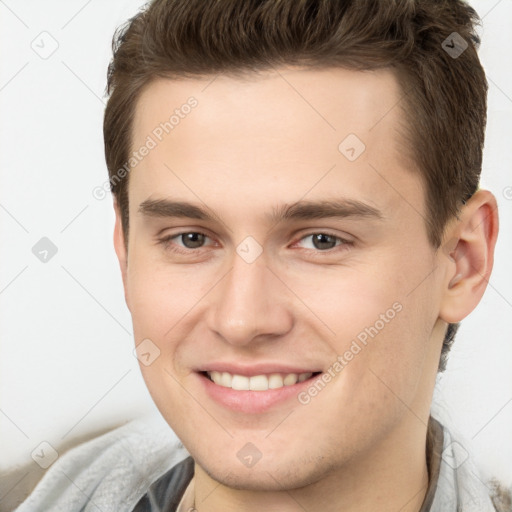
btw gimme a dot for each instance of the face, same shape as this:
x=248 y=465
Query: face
x=279 y=272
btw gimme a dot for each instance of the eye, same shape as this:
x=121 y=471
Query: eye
x=191 y=240
x=322 y=241
x=185 y=242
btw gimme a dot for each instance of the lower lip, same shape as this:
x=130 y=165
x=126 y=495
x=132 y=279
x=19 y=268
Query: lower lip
x=253 y=401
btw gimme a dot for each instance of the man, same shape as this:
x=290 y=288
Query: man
x=300 y=230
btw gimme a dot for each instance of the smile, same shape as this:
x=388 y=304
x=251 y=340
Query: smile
x=261 y=382
x=257 y=388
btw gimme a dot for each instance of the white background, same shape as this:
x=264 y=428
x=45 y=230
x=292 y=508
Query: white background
x=66 y=368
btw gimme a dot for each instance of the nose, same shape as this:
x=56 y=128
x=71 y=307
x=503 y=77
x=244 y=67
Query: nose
x=249 y=304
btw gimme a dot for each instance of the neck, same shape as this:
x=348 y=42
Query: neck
x=393 y=476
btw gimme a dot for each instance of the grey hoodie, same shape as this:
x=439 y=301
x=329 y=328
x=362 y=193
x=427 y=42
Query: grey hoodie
x=132 y=468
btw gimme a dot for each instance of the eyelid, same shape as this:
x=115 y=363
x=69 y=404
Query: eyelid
x=166 y=241
x=172 y=236
x=346 y=239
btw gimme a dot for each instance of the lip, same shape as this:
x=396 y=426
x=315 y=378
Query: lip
x=255 y=369
x=253 y=402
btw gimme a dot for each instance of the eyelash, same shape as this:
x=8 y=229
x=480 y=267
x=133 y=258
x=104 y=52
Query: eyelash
x=343 y=245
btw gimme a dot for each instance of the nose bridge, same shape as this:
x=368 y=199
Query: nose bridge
x=247 y=303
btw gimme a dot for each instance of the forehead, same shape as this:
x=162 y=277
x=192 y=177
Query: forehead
x=280 y=103
x=277 y=132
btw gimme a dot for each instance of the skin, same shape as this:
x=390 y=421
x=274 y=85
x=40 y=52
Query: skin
x=252 y=145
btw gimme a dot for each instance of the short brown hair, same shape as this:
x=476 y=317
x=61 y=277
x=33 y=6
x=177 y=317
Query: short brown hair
x=430 y=44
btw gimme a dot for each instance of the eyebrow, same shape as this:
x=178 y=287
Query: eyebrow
x=341 y=208
x=300 y=210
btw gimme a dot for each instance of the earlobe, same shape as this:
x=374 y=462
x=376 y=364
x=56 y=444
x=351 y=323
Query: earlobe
x=469 y=261
x=121 y=251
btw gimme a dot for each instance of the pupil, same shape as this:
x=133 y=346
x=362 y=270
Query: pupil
x=323 y=241
x=192 y=240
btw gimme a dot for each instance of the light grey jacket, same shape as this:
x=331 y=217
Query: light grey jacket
x=113 y=471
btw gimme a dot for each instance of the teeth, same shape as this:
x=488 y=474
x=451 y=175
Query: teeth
x=275 y=381
x=215 y=376
x=240 y=382
x=290 y=379
x=257 y=382
x=225 y=380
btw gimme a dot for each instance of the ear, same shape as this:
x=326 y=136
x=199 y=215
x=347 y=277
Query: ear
x=468 y=256
x=121 y=250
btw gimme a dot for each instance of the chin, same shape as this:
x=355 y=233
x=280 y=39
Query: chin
x=267 y=476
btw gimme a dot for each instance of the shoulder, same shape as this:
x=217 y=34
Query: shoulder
x=501 y=496
x=461 y=486
x=110 y=472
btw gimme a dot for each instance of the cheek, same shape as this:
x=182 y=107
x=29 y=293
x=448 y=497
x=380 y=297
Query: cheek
x=348 y=299
x=160 y=297
x=157 y=307
x=376 y=317
x=160 y=304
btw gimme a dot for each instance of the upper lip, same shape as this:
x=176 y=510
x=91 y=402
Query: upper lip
x=257 y=368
